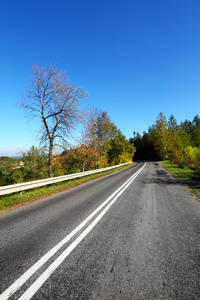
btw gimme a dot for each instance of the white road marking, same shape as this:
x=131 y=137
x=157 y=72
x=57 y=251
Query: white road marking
x=46 y=274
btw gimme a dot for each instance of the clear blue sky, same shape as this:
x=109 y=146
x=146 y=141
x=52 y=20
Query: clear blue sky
x=134 y=58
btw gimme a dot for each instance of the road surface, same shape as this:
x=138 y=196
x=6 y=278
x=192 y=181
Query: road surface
x=134 y=234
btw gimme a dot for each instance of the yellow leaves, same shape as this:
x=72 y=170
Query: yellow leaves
x=103 y=161
x=192 y=153
x=187 y=157
x=57 y=163
x=125 y=157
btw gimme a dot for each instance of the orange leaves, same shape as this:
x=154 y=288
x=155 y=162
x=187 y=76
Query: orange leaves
x=88 y=149
x=88 y=156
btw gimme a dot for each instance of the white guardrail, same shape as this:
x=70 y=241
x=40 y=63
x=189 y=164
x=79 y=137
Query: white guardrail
x=19 y=187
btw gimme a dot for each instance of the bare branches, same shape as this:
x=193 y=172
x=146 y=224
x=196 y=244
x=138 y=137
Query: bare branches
x=55 y=101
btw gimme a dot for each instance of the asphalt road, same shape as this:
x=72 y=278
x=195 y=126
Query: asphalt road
x=134 y=234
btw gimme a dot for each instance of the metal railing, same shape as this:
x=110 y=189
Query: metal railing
x=19 y=187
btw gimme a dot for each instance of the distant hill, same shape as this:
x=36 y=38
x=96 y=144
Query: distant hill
x=7 y=160
x=16 y=157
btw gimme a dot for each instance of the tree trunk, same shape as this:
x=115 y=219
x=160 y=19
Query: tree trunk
x=50 y=159
x=83 y=167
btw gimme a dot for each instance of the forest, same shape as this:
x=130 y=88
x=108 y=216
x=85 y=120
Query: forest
x=167 y=140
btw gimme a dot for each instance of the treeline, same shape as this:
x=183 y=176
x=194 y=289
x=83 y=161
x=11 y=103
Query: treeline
x=179 y=143
x=101 y=144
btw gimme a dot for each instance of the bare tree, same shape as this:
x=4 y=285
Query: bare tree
x=51 y=98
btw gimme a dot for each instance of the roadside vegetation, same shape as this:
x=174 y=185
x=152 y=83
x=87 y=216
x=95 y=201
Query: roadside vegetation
x=177 y=146
x=167 y=140
x=101 y=145
x=15 y=200
x=189 y=177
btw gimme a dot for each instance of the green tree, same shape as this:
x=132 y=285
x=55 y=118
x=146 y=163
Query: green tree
x=16 y=176
x=70 y=161
x=196 y=131
x=187 y=129
x=35 y=164
x=161 y=137
x=4 y=176
x=121 y=150
x=103 y=130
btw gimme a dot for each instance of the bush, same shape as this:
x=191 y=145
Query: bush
x=187 y=157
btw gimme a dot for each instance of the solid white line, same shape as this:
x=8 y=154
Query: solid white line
x=21 y=280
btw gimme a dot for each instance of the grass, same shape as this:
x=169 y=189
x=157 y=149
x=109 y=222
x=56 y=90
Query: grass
x=14 y=200
x=189 y=177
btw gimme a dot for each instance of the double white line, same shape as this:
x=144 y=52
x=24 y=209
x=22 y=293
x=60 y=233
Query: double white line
x=46 y=274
